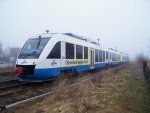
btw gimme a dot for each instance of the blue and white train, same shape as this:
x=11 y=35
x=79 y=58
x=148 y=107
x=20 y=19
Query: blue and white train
x=47 y=55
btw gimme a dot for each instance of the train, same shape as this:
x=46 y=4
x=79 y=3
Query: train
x=47 y=55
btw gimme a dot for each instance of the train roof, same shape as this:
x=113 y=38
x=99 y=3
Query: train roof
x=43 y=35
x=115 y=50
x=68 y=34
x=81 y=38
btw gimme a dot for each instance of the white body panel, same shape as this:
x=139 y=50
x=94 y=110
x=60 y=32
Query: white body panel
x=26 y=61
x=43 y=62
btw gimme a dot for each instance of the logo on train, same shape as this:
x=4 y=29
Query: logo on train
x=24 y=62
x=53 y=63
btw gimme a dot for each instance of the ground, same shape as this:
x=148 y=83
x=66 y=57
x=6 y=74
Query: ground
x=116 y=91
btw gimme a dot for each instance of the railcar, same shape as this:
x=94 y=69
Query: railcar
x=46 y=55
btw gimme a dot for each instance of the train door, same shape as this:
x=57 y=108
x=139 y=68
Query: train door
x=92 y=58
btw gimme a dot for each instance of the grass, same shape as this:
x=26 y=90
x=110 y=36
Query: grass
x=136 y=98
x=121 y=91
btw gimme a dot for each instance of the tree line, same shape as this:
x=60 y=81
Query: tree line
x=8 y=54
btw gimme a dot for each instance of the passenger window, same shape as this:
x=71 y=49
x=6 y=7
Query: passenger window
x=55 y=53
x=96 y=55
x=103 y=56
x=110 y=56
x=85 y=52
x=106 y=55
x=69 y=51
x=119 y=57
x=113 y=56
x=79 y=52
x=100 y=56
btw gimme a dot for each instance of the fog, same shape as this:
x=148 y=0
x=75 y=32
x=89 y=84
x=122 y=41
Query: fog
x=124 y=24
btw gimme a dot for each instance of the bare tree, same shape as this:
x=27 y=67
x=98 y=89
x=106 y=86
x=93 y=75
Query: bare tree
x=140 y=58
x=13 y=52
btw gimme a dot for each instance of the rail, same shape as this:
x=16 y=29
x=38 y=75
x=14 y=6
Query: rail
x=3 y=107
x=48 y=92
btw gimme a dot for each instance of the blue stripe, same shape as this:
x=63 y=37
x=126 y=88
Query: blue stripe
x=45 y=73
x=53 y=72
x=99 y=65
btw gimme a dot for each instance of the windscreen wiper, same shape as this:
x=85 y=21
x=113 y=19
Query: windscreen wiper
x=39 y=42
x=27 y=55
x=33 y=53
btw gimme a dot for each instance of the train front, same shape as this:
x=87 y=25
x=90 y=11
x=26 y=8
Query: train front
x=28 y=58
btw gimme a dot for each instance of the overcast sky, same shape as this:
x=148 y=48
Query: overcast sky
x=124 y=24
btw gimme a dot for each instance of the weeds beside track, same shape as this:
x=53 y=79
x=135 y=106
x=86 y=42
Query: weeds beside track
x=35 y=90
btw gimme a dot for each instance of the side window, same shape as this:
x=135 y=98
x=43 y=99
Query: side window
x=96 y=55
x=100 y=56
x=85 y=52
x=79 y=52
x=113 y=57
x=55 y=53
x=103 y=56
x=110 y=56
x=106 y=55
x=119 y=57
x=69 y=51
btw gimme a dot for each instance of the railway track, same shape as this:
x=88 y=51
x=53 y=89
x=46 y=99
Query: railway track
x=7 y=87
x=16 y=90
x=26 y=92
x=9 y=83
x=7 y=73
x=40 y=92
x=7 y=76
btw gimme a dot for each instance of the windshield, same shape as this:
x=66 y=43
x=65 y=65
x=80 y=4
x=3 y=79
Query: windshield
x=33 y=48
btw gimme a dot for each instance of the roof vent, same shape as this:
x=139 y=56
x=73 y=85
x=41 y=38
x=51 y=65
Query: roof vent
x=47 y=31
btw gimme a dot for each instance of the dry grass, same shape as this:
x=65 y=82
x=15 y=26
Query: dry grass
x=59 y=90
x=78 y=97
x=92 y=96
x=109 y=93
x=82 y=95
x=110 y=89
x=98 y=95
